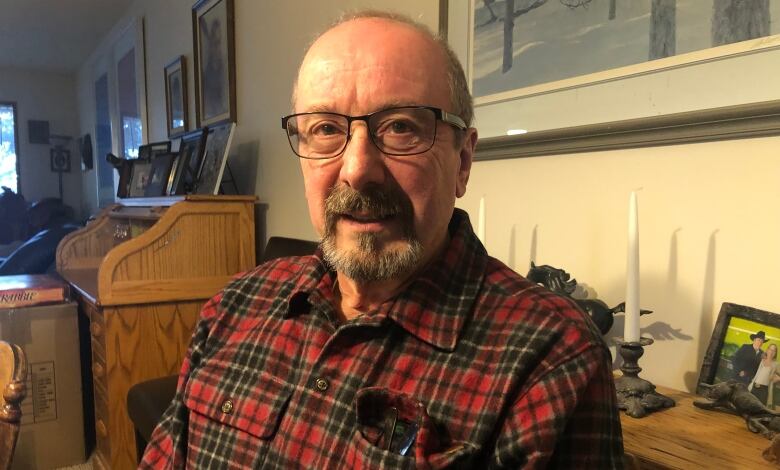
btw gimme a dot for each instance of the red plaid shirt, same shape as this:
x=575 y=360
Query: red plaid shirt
x=494 y=370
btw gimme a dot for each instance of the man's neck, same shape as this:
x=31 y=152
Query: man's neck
x=356 y=298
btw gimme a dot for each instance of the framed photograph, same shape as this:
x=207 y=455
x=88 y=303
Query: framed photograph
x=139 y=178
x=743 y=347
x=215 y=158
x=573 y=64
x=176 y=96
x=185 y=175
x=159 y=175
x=148 y=152
x=215 y=67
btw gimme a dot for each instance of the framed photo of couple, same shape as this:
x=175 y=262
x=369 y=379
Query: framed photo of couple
x=743 y=347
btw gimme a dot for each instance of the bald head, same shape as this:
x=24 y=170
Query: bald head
x=370 y=24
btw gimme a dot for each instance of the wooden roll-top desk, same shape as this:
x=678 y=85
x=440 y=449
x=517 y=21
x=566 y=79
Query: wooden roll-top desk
x=141 y=272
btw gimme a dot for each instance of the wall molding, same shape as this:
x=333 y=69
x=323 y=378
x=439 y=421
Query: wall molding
x=730 y=122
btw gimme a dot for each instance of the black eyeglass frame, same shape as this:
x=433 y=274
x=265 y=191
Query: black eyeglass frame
x=449 y=118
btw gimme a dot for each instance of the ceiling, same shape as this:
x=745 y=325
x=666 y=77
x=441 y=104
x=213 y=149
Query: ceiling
x=57 y=35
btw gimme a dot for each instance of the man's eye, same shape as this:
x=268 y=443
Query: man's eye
x=325 y=129
x=400 y=127
x=396 y=126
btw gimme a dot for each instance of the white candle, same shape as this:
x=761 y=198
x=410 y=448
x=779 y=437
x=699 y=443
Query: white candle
x=481 y=220
x=631 y=332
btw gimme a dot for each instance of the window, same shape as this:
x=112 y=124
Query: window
x=8 y=159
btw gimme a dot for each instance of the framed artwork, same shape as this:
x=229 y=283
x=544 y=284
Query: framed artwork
x=215 y=75
x=176 y=96
x=742 y=337
x=550 y=66
x=148 y=152
x=159 y=175
x=185 y=175
x=139 y=178
x=215 y=158
x=59 y=159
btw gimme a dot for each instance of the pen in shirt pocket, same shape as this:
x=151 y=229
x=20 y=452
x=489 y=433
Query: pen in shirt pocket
x=398 y=435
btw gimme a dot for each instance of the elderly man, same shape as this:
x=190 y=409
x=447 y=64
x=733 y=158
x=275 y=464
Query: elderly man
x=400 y=343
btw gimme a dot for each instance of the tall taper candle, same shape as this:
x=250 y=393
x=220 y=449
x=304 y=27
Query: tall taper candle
x=631 y=332
x=481 y=220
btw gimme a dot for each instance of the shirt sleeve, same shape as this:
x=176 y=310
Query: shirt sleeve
x=168 y=444
x=567 y=419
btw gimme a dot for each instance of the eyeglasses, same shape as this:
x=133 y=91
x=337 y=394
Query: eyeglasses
x=407 y=130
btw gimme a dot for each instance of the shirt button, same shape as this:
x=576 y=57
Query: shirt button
x=227 y=407
x=321 y=384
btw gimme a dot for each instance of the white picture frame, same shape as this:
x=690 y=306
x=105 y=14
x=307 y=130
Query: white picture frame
x=717 y=78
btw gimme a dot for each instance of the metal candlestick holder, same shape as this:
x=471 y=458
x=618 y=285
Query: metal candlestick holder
x=635 y=395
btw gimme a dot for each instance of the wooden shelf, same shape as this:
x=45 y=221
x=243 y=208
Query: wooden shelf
x=686 y=437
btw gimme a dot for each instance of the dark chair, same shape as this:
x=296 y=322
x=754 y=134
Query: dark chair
x=13 y=374
x=37 y=255
x=147 y=401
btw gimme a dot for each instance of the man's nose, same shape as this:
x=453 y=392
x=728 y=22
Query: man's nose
x=362 y=162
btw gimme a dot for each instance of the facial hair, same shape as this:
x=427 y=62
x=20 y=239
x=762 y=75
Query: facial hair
x=370 y=261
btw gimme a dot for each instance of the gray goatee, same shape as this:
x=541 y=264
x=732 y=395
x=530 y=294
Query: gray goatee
x=369 y=261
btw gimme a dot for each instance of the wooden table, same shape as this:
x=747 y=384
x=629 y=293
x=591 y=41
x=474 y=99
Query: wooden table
x=687 y=437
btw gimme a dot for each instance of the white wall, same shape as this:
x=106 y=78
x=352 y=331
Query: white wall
x=45 y=96
x=708 y=216
x=709 y=226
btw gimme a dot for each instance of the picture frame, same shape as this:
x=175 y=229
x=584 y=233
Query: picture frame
x=176 y=96
x=214 y=54
x=215 y=158
x=59 y=159
x=733 y=329
x=148 y=152
x=139 y=178
x=169 y=186
x=185 y=175
x=125 y=169
x=575 y=114
x=159 y=174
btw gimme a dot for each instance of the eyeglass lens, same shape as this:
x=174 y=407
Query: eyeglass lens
x=396 y=131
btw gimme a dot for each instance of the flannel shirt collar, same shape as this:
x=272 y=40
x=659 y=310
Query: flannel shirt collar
x=434 y=306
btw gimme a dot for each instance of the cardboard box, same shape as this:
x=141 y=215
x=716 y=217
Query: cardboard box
x=51 y=434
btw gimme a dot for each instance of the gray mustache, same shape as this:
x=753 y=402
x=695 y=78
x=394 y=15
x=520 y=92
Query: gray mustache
x=374 y=201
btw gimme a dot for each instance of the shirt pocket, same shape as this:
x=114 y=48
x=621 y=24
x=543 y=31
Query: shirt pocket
x=250 y=401
x=431 y=448
x=362 y=454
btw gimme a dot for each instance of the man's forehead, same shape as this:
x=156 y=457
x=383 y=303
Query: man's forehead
x=372 y=41
x=371 y=56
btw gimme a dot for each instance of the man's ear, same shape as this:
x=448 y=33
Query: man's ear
x=466 y=155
